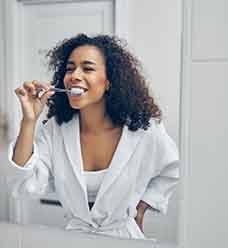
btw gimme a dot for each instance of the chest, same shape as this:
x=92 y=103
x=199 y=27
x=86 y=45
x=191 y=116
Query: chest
x=97 y=151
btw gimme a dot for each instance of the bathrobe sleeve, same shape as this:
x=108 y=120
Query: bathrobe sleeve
x=37 y=172
x=161 y=187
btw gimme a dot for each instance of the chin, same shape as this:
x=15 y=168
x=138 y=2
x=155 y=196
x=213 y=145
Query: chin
x=75 y=106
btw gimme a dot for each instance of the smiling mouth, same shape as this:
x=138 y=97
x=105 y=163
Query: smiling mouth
x=77 y=91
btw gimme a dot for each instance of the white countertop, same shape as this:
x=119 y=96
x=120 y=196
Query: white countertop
x=27 y=236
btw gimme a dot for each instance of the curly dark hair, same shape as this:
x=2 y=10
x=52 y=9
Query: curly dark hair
x=128 y=101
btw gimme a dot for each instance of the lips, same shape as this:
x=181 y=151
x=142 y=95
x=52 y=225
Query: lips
x=78 y=87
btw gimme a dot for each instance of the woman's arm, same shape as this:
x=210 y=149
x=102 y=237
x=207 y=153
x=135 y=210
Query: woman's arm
x=38 y=170
x=24 y=143
x=141 y=209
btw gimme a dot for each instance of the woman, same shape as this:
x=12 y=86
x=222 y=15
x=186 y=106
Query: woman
x=105 y=151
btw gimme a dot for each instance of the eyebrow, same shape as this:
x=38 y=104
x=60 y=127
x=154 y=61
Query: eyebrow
x=85 y=62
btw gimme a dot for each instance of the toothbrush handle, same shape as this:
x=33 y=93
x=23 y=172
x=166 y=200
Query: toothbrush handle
x=54 y=89
x=59 y=90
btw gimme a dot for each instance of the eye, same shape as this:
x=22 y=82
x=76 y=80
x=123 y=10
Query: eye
x=69 y=69
x=88 y=69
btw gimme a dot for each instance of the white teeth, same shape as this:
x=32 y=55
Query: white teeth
x=76 y=91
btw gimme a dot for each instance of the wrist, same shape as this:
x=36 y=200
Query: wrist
x=28 y=122
x=142 y=207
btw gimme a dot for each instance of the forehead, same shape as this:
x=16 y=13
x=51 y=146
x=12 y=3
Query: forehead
x=86 y=52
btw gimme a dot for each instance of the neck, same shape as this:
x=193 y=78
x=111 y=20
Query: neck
x=93 y=120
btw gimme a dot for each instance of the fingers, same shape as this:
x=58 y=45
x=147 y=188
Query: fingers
x=46 y=87
x=45 y=96
x=32 y=89
x=40 y=85
x=20 y=91
x=32 y=102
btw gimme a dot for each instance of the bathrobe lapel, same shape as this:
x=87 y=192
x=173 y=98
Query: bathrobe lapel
x=71 y=138
x=125 y=149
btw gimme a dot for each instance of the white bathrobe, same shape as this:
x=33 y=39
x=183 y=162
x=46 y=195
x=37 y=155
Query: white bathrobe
x=144 y=167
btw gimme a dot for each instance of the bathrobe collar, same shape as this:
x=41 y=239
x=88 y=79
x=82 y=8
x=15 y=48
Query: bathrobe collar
x=125 y=149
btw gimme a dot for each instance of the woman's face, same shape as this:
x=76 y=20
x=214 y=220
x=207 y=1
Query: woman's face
x=86 y=69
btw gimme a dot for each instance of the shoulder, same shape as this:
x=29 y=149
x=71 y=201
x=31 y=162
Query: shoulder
x=158 y=140
x=155 y=128
x=157 y=134
x=149 y=136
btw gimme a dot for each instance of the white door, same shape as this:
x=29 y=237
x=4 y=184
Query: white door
x=41 y=27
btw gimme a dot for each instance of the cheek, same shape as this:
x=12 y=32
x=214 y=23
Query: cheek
x=100 y=81
x=64 y=81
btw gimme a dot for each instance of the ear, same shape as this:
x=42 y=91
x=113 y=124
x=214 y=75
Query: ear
x=107 y=85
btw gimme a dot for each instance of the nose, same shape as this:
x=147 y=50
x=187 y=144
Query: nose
x=77 y=74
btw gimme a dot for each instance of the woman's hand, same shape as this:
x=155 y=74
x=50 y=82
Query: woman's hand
x=141 y=209
x=139 y=220
x=31 y=103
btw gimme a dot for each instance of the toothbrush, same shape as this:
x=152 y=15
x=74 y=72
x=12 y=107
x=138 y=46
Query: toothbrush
x=72 y=91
